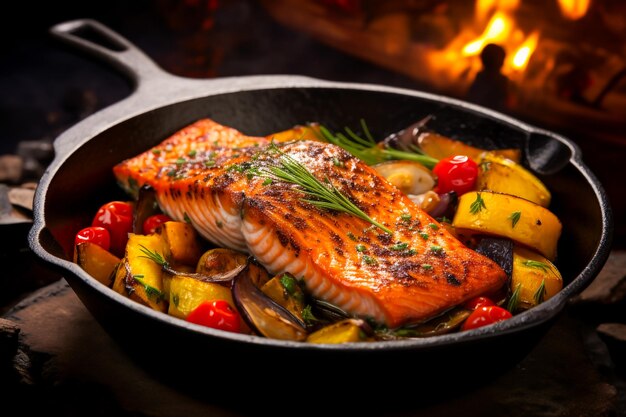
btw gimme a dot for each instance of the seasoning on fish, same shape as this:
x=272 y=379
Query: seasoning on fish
x=216 y=178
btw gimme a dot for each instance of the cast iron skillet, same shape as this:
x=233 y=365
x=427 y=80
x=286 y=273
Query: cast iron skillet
x=79 y=180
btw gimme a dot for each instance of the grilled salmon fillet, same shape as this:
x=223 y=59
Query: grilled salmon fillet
x=211 y=175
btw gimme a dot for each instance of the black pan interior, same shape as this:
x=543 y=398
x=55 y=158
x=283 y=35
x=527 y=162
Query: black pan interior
x=85 y=180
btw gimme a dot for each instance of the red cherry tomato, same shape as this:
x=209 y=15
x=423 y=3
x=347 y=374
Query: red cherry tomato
x=151 y=223
x=217 y=314
x=456 y=173
x=474 y=303
x=97 y=235
x=117 y=218
x=483 y=316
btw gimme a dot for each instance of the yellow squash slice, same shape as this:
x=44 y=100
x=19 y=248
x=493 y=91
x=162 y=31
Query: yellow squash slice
x=505 y=215
x=503 y=175
x=535 y=276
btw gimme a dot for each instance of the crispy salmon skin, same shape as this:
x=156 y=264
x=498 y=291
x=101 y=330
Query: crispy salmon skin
x=212 y=176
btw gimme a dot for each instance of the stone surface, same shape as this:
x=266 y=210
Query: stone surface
x=11 y=167
x=75 y=368
x=609 y=287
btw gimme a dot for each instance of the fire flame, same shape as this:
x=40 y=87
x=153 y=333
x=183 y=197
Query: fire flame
x=496 y=31
x=523 y=53
x=574 y=9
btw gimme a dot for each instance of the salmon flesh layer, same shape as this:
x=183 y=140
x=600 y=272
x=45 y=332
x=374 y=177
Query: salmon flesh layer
x=213 y=176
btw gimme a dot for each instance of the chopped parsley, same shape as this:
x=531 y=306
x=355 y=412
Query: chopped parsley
x=433 y=226
x=209 y=163
x=360 y=248
x=436 y=248
x=369 y=260
x=400 y=246
x=351 y=236
x=308 y=316
x=427 y=266
x=338 y=163
x=406 y=217
x=289 y=284
x=180 y=161
x=424 y=235
x=267 y=181
x=186 y=218
x=192 y=153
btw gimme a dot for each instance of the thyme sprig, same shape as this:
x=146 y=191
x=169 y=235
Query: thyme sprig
x=323 y=195
x=513 y=303
x=540 y=294
x=366 y=149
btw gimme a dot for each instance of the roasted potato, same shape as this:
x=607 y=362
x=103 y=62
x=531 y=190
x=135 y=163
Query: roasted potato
x=96 y=261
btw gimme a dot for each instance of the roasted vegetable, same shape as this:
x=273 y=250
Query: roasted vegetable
x=96 y=261
x=285 y=290
x=219 y=261
x=499 y=250
x=187 y=293
x=181 y=242
x=141 y=275
x=344 y=331
x=503 y=175
x=441 y=147
x=309 y=132
x=509 y=216
x=261 y=313
x=410 y=177
x=535 y=278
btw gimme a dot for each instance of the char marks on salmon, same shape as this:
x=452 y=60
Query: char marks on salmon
x=212 y=176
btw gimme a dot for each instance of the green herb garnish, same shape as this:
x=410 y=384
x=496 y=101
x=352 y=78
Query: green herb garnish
x=360 y=248
x=219 y=224
x=540 y=294
x=175 y=299
x=436 y=248
x=513 y=303
x=338 y=163
x=424 y=235
x=151 y=292
x=289 y=284
x=209 y=163
x=154 y=256
x=267 y=181
x=351 y=236
x=478 y=204
x=180 y=161
x=427 y=266
x=369 y=260
x=323 y=196
x=308 y=316
x=536 y=264
x=156 y=151
x=192 y=153
x=406 y=217
x=366 y=149
x=433 y=226
x=186 y=218
x=400 y=246
x=514 y=217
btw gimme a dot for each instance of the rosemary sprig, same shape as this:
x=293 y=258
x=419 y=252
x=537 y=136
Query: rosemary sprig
x=323 y=195
x=154 y=256
x=514 y=300
x=368 y=151
x=540 y=294
x=514 y=217
x=536 y=264
x=478 y=204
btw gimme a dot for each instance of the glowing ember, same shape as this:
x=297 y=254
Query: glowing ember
x=574 y=9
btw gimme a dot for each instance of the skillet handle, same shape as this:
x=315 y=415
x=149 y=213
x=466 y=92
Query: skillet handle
x=102 y=42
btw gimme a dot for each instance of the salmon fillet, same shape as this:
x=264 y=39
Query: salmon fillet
x=208 y=174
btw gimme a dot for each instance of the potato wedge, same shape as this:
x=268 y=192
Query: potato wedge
x=309 y=132
x=187 y=293
x=505 y=215
x=181 y=243
x=408 y=176
x=143 y=276
x=531 y=271
x=441 y=147
x=344 y=331
x=503 y=175
x=96 y=261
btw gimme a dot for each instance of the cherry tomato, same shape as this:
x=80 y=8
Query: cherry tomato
x=151 y=223
x=456 y=173
x=97 y=235
x=485 y=315
x=117 y=218
x=217 y=314
x=474 y=303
